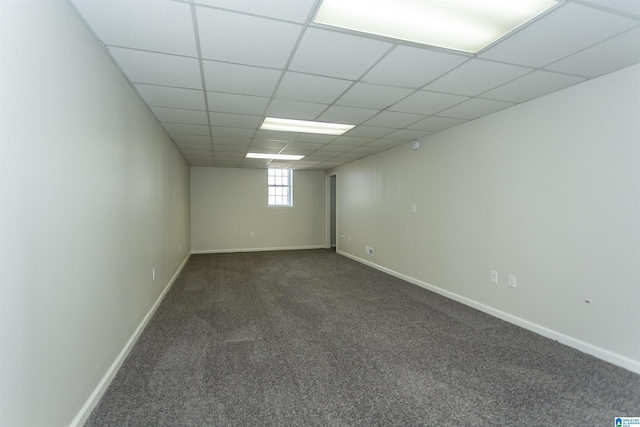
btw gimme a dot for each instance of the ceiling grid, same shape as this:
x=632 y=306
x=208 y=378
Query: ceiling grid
x=212 y=70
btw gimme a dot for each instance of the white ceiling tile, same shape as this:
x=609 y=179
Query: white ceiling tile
x=225 y=132
x=200 y=162
x=192 y=146
x=247 y=45
x=412 y=67
x=351 y=156
x=336 y=54
x=268 y=144
x=436 y=124
x=171 y=97
x=175 y=115
x=351 y=140
x=229 y=156
x=225 y=140
x=236 y=104
x=329 y=165
x=392 y=119
x=310 y=88
x=314 y=138
x=347 y=115
x=162 y=26
x=629 y=7
x=305 y=163
x=302 y=164
x=304 y=146
x=224 y=162
x=318 y=157
x=604 y=57
x=241 y=79
x=532 y=86
x=191 y=139
x=336 y=149
x=243 y=39
x=568 y=29
x=372 y=96
x=158 y=68
x=228 y=159
x=232 y=148
x=299 y=151
x=198 y=154
x=386 y=143
x=369 y=132
x=477 y=76
x=289 y=10
x=427 y=103
x=230 y=151
x=275 y=135
x=474 y=108
x=368 y=149
x=295 y=109
x=234 y=120
x=181 y=128
x=407 y=134
x=231 y=160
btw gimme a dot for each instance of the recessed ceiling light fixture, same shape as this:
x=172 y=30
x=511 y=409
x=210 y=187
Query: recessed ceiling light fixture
x=463 y=25
x=273 y=156
x=304 y=126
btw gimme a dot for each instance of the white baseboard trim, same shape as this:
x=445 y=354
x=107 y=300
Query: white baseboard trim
x=284 y=248
x=99 y=391
x=600 y=353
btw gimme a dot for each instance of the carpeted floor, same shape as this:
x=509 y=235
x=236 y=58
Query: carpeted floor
x=311 y=338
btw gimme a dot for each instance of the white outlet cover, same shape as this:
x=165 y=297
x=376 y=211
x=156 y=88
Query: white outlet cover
x=494 y=277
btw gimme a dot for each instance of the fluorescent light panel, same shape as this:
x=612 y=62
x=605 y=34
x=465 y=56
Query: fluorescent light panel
x=273 y=156
x=463 y=25
x=304 y=126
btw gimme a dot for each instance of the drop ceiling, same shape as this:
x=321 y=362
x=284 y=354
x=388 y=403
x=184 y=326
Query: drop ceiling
x=212 y=70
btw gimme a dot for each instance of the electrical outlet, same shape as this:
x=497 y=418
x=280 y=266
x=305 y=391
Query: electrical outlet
x=494 y=277
x=153 y=273
x=369 y=250
x=512 y=281
x=343 y=237
x=252 y=234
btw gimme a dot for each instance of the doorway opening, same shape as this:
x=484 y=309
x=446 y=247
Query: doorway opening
x=331 y=214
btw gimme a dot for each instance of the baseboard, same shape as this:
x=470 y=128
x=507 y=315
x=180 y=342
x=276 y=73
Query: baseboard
x=600 y=353
x=284 y=248
x=95 y=397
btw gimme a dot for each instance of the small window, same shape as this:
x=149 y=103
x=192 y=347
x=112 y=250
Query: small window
x=280 y=188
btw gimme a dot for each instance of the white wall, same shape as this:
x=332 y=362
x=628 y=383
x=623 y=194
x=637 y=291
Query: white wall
x=94 y=195
x=548 y=191
x=228 y=204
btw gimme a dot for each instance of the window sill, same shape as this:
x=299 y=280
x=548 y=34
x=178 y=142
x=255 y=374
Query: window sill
x=280 y=207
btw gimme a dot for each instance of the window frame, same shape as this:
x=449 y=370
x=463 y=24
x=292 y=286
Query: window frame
x=275 y=185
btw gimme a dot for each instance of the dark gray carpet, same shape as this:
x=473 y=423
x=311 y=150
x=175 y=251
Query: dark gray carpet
x=310 y=338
